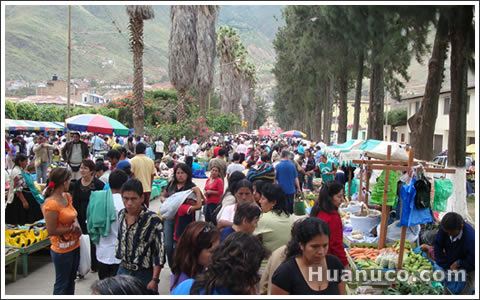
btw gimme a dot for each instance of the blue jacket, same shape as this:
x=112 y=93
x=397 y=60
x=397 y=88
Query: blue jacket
x=463 y=250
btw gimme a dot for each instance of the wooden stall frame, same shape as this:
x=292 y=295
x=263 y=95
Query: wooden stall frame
x=388 y=166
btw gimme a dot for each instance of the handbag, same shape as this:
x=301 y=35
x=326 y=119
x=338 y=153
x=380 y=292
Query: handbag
x=85 y=261
x=74 y=168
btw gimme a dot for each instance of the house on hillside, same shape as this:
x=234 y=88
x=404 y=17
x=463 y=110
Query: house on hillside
x=57 y=87
x=440 y=139
x=93 y=98
x=45 y=100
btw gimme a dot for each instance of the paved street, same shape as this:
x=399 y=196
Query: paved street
x=41 y=275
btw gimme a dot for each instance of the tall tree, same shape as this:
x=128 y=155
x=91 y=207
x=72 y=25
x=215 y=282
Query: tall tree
x=358 y=96
x=230 y=51
x=182 y=53
x=462 y=35
x=137 y=14
x=422 y=123
x=206 y=50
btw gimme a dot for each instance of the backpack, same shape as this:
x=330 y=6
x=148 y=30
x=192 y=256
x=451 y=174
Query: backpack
x=422 y=196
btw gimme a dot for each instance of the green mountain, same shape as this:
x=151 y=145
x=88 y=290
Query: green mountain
x=36 y=39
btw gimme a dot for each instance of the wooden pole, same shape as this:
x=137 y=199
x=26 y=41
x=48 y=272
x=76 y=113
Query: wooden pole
x=360 y=192
x=385 y=208
x=68 y=71
x=369 y=174
x=350 y=183
x=404 y=228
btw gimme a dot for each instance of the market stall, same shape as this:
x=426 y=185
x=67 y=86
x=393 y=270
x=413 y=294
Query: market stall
x=403 y=254
x=26 y=125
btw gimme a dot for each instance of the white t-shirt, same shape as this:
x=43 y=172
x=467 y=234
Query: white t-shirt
x=106 y=245
x=195 y=147
x=188 y=151
x=228 y=213
x=235 y=167
x=159 y=145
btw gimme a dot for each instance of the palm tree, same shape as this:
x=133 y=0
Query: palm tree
x=206 y=40
x=182 y=53
x=230 y=52
x=138 y=13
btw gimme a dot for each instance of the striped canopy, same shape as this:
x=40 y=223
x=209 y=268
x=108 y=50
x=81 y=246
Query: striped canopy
x=26 y=125
x=96 y=124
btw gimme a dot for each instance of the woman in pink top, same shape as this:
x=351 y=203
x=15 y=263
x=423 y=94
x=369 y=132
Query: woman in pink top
x=213 y=192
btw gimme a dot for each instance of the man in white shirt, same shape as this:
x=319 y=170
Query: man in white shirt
x=30 y=146
x=107 y=262
x=159 y=148
x=235 y=166
x=195 y=147
x=188 y=152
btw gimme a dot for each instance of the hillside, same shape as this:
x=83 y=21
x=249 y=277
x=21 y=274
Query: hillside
x=37 y=48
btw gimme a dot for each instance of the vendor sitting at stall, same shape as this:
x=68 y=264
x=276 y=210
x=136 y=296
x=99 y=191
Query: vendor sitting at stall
x=455 y=250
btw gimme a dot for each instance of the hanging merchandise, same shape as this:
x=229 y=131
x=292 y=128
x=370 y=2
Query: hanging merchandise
x=422 y=196
x=410 y=214
x=377 y=193
x=443 y=191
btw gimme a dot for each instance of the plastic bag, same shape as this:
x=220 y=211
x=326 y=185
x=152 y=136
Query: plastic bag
x=410 y=215
x=377 y=193
x=85 y=261
x=443 y=191
x=169 y=208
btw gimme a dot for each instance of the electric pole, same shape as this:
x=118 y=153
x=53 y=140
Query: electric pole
x=69 y=50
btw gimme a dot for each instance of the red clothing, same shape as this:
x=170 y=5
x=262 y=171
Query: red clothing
x=215 y=185
x=215 y=151
x=182 y=219
x=335 y=247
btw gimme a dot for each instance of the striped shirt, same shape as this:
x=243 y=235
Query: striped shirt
x=142 y=242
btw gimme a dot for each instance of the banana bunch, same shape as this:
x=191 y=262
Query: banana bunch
x=24 y=237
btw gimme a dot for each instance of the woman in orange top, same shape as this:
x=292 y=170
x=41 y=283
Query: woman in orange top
x=63 y=230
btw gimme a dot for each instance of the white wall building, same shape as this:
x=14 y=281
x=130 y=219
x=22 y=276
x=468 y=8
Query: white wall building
x=442 y=126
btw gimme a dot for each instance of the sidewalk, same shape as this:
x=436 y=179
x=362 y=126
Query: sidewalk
x=41 y=272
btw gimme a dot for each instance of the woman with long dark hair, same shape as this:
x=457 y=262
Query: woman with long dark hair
x=306 y=253
x=232 y=271
x=193 y=251
x=181 y=181
x=63 y=230
x=326 y=208
x=23 y=201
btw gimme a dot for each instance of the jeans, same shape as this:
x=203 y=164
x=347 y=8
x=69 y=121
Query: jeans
x=105 y=270
x=289 y=203
x=66 y=265
x=208 y=210
x=144 y=275
x=310 y=182
x=41 y=172
x=168 y=228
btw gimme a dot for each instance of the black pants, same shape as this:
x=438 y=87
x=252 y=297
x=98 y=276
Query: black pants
x=189 y=161
x=158 y=155
x=105 y=270
x=208 y=209
x=93 y=256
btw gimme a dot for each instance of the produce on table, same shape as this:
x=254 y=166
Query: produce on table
x=363 y=253
x=366 y=264
x=413 y=261
x=418 y=287
x=388 y=258
x=24 y=237
x=396 y=245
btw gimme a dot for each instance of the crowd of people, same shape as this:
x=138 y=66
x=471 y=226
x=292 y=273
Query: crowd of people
x=237 y=235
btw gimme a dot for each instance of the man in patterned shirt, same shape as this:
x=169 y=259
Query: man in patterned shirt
x=140 y=238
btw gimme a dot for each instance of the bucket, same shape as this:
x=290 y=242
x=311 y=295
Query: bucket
x=364 y=224
x=299 y=208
